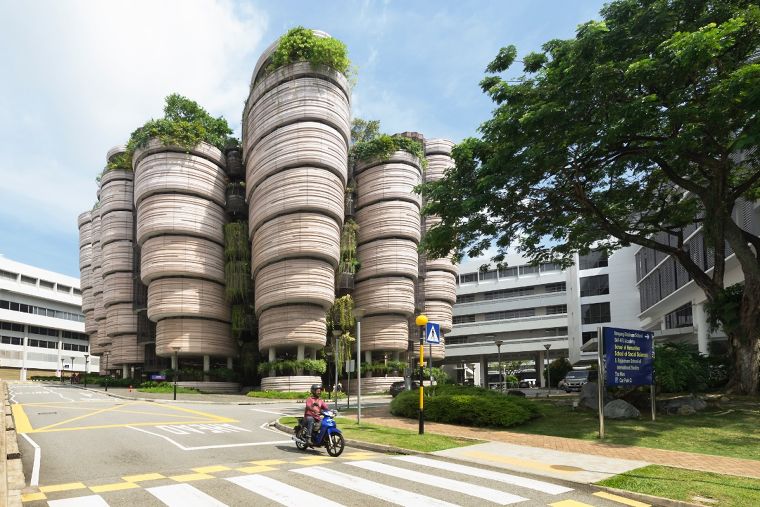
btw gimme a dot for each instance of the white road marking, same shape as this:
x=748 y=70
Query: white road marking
x=492 y=495
x=80 y=501
x=184 y=495
x=374 y=489
x=267 y=411
x=37 y=456
x=544 y=487
x=204 y=447
x=186 y=429
x=280 y=492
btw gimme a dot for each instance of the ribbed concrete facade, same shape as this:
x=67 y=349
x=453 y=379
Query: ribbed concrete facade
x=167 y=221
x=296 y=128
x=440 y=274
x=388 y=216
x=180 y=194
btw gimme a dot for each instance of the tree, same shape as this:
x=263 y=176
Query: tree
x=641 y=127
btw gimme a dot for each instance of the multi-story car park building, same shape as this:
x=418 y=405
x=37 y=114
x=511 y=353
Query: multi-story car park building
x=41 y=323
x=538 y=313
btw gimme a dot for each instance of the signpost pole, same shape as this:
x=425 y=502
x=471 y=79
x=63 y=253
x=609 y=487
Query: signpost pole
x=651 y=395
x=600 y=380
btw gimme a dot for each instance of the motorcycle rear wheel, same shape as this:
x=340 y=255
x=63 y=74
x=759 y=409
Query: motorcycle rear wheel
x=300 y=435
x=335 y=444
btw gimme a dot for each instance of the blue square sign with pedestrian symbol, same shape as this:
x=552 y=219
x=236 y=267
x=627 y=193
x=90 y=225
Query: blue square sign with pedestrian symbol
x=432 y=333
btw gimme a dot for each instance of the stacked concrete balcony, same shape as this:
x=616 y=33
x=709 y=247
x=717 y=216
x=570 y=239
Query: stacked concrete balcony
x=84 y=221
x=117 y=266
x=296 y=128
x=440 y=274
x=101 y=342
x=388 y=215
x=179 y=196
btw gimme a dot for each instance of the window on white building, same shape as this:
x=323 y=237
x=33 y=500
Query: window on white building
x=595 y=313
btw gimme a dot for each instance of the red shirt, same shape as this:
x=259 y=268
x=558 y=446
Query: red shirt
x=315 y=411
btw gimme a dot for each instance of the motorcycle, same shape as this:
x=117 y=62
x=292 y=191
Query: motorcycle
x=327 y=435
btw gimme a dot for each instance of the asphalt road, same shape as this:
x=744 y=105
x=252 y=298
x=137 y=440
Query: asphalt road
x=83 y=448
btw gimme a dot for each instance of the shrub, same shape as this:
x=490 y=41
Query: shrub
x=679 y=367
x=384 y=145
x=301 y=45
x=470 y=406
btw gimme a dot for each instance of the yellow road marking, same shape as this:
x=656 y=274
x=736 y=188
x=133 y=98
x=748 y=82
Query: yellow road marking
x=359 y=455
x=22 y=421
x=266 y=462
x=204 y=414
x=570 y=503
x=620 y=499
x=255 y=469
x=191 y=477
x=62 y=487
x=211 y=469
x=117 y=486
x=516 y=461
x=143 y=477
x=31 y=497
x=65 y=421
x=124 y=425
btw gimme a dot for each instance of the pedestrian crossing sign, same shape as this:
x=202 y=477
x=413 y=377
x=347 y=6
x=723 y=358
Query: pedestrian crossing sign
x=432 y=333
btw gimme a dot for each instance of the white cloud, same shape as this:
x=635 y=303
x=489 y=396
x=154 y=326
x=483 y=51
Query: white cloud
x=84 y=74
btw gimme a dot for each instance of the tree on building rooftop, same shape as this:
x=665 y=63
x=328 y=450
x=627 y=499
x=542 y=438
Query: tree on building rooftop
x=643 y=125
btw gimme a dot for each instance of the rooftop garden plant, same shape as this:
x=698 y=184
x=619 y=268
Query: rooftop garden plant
x=300 y=44
x=370 y=144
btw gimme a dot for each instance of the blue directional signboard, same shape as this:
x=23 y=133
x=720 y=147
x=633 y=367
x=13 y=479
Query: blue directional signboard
x=629 y=357
x=432 y=333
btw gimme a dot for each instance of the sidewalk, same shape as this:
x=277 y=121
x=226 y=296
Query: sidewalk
x=692 y=461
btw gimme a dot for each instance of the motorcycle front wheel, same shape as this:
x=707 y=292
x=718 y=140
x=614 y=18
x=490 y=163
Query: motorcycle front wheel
x=335 y=444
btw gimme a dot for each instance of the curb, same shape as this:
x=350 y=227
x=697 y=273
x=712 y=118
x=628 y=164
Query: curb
x=656 y=501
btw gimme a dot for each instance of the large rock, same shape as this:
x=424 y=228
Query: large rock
x=677 y=405
x=621 y=409
x=589 y=398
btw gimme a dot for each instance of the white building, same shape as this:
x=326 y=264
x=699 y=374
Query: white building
x=41 y=323
x=538 y=313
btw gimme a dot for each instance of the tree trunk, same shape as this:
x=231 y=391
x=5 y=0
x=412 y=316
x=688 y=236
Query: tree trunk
x=747 y=349
x=746 y=358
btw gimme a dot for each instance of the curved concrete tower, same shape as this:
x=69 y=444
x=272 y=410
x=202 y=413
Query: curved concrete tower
x=84 y=221
x=388 y=215
x=179 y=195
x=440 y=274
x=117 y=263
x=296 y=128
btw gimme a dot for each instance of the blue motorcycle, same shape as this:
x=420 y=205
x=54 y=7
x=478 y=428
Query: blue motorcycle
x=327 y=435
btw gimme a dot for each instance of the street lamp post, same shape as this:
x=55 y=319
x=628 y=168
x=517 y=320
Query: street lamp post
x=62 y=360
x=86 y=360
x=176 y=364
x=421 y=321
x=547 y=346
x=358 y=314
x=336 y=337
x=106 y=353
x=72 y=370
x=501 y=377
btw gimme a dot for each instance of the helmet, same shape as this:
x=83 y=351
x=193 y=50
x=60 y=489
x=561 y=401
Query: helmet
x=314 y=388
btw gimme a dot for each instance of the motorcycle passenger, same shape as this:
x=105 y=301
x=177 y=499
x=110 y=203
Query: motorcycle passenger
x=314 y=408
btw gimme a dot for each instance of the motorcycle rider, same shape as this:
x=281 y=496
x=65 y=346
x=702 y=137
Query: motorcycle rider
x=313 y=412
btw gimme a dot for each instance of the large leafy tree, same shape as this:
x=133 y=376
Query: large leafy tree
x=643 y=125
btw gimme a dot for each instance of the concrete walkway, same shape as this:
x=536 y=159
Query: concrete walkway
x=643 y=455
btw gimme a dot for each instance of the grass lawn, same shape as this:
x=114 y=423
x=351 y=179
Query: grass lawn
x=731 y=430
x=688 y=485
x=404 y=439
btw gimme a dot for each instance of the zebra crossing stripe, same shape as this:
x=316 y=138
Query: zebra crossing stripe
x=374 y=489
x=543 y=487
x=492 y=495
x=183 y=495
x=280 y=492
x=80 y=501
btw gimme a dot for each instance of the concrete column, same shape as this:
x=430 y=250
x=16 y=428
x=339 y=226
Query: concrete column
x=699 y=317
x=272 y=354
x=125 y=371
x=229 y=363
x=174 y=362
x=313 y=353
x=206 y=368
x=540 y=369
x=300 y=354
x=483 y=372
x=22 y=374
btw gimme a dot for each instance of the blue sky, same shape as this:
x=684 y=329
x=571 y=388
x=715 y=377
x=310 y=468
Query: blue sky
x=79 y=75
